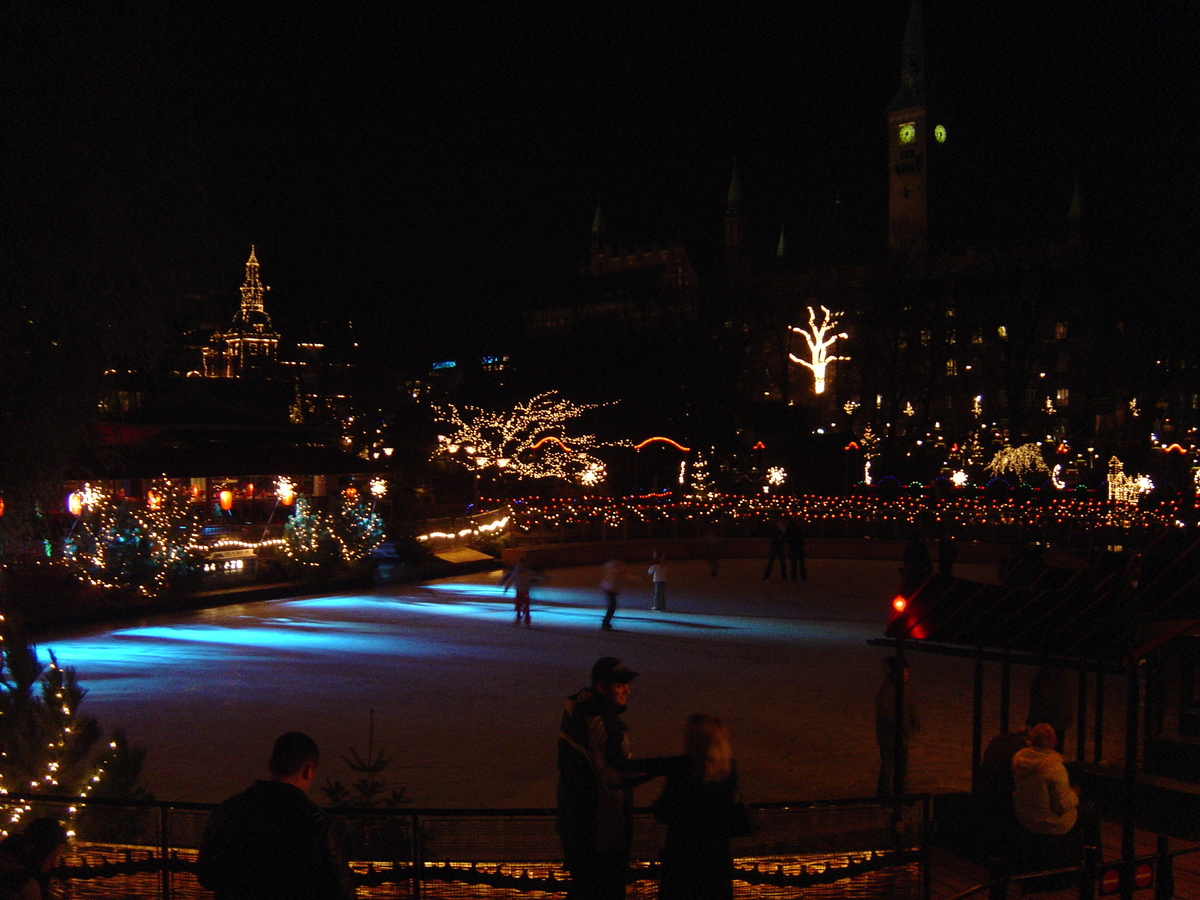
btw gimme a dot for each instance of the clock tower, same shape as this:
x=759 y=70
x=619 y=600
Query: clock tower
x=911 y=136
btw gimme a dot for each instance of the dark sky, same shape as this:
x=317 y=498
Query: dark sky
x=419 y=164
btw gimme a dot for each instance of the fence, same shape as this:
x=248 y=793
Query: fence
x=802 y=850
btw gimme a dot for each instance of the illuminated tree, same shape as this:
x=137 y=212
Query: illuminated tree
x=122 y=543
x=530 y=440
x=701 y=479
x=48 y=747
x=1020 y=461
x=819 y=339
x=316 y=540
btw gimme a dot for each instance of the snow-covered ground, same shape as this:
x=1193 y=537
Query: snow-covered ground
x=468 y=705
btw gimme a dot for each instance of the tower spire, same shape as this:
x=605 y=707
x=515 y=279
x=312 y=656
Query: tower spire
x=912 y=66
x=252 y=287
x=733 y=215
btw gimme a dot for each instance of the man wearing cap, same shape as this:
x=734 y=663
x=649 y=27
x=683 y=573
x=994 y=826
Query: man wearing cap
x=595 y=785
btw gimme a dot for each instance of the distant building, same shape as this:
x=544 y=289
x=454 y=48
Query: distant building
x=250 y=342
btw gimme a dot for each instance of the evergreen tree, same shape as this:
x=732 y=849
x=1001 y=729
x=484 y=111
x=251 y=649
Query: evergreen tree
x=358 y=529
x=46 y=746
x=309 y=537
x=122 y=544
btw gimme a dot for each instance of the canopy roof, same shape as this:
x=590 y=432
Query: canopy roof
x=1111 y=613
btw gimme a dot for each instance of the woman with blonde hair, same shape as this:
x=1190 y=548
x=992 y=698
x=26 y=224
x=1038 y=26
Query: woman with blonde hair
x=698 y=807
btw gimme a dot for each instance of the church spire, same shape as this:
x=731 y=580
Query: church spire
x=252 y=288
x=733 y=215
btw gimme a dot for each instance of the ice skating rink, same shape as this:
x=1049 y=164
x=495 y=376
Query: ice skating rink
x=467 y=705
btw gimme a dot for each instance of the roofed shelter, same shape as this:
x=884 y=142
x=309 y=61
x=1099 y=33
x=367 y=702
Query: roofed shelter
x=1122 y=613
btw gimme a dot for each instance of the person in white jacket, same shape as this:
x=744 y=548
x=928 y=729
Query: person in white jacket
x=1045 y=802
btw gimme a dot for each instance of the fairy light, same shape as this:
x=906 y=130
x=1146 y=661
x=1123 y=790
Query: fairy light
x=530 y=440
x=776 y=476
x=959 y=478
x=378 y=488
x=819 y=337
x=1125 y=489
x=1019 y=460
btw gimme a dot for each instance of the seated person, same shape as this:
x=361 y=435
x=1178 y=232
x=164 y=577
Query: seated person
x=994 y=786
x=1045 y=803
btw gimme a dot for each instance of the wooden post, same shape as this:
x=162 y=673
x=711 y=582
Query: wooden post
x=1081 y=718
x=1005 y=692
x=977 y=722
x=1131 y=762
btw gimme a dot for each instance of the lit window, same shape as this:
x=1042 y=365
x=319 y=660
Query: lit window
x=977 y=336
x=1060 y=331
x=951 y=368
x=1003 y=332
x=1063 y=396
x=926 y=337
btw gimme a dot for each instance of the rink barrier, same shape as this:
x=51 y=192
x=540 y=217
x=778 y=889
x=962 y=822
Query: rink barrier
x=812 y=850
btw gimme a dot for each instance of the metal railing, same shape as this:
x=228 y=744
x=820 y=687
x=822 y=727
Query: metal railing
x=858 y=848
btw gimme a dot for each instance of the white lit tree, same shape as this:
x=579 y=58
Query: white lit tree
x=1020 y=461
x=819 y=337
x=530 y=440
x=701 y=479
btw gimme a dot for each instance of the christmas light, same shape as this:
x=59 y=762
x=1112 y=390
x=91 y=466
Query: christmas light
x=1125 y=489
x=1018 y=460
x=819 y=340
x=667 y=440
x=776 y=476
x=530 y=439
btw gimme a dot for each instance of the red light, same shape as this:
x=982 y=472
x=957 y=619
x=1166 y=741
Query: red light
x=899 y=603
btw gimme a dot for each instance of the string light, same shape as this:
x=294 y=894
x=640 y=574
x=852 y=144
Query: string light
x=819 y=340
x=1018 y=460
x=529 y=440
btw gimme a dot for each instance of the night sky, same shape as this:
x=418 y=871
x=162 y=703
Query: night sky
x=419 y=166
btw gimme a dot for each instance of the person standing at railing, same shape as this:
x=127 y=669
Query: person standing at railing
x=702 y=808
x=271 y=842
x=595 y=785
x=28 y=858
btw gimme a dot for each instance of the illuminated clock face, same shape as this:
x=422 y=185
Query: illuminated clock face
x=908 y=133
x=939 y=133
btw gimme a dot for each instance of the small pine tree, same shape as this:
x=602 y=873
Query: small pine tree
x=48 y=746
x=309 y=538
x=702 y=482
x=358 y=529
x=368 y=791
